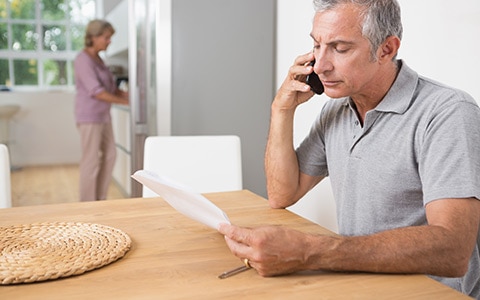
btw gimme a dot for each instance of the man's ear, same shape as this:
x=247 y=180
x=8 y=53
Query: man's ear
x=387 y=51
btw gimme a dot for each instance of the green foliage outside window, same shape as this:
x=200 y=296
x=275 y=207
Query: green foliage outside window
x=3 y=36
x=22 y=9
x=24 y=37
x=3 y=71
x=54 y=38
x=54 y=10
x=25 y=71
x=55 y=72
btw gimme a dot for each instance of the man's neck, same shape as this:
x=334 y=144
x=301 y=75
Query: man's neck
x=380 y=87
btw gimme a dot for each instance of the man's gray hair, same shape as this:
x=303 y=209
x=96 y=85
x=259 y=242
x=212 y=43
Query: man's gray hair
x=381 y=18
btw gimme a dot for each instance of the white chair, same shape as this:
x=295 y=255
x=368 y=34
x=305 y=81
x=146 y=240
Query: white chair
x=203 y=163
x=5 y=188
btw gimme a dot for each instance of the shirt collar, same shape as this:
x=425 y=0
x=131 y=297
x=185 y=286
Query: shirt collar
x=400 y=95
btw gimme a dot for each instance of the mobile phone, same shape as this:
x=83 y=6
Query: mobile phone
x=314 y=82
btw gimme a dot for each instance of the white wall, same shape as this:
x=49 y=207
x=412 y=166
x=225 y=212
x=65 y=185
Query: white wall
x=43 y=132
x=440 y=41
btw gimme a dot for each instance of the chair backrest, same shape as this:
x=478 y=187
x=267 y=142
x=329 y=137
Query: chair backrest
x=204 y=163
x=5 y=188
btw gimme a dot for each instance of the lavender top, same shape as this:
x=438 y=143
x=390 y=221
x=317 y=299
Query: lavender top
x=91 y=78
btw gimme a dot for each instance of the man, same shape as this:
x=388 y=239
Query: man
x=402 y=153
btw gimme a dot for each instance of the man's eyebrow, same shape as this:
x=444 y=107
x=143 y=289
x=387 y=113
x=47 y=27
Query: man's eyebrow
x=335 y=42
x=342 y=42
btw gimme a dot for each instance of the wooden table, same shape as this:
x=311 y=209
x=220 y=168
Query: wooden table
x=173 y=257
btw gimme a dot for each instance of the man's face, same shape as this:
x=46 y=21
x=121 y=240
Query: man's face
x=342 y=54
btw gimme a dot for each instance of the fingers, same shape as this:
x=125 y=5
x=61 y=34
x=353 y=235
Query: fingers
x=301 y=67
x=238 y=234
x=240 y=250
x=304 y=59
x=294 y=90
x=238 y=240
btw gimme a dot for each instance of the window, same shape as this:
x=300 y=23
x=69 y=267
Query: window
x=39 y=40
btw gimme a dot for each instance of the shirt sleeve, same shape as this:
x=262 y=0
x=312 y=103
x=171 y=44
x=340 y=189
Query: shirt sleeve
x=449 y=162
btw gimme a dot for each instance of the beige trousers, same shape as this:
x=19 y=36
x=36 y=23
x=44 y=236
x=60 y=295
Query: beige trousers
x=98 y=159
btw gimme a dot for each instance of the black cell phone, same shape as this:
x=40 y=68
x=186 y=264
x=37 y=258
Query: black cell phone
x=314 y=82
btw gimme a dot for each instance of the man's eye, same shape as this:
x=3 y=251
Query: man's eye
x=341 y=50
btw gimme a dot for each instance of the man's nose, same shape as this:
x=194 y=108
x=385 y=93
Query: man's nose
x=322 y=62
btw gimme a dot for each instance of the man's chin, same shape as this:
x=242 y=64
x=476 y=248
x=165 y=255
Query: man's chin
x=334 y=93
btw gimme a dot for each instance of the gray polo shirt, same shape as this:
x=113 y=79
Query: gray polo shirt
x=421 y=143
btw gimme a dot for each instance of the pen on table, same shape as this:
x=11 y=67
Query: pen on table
x=235 y=271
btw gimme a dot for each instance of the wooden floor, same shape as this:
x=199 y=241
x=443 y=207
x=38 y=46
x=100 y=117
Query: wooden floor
x=49 y=184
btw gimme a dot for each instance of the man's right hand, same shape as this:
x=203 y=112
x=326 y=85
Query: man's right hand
x=294 y=91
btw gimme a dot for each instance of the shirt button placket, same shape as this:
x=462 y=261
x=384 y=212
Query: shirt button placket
x=356 y=129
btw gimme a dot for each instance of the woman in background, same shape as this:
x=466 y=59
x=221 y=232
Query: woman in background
x=96 y=91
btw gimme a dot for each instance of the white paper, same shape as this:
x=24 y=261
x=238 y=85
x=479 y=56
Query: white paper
x=183 y=199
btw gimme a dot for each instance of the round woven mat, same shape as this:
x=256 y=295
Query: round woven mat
x=45 y=251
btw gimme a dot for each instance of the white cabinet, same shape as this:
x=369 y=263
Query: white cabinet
x=121 y=132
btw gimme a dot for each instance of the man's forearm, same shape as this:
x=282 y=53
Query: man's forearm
x=281 y=164
x=419 y=249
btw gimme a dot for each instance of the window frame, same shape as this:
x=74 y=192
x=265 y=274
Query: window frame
x=40 y=54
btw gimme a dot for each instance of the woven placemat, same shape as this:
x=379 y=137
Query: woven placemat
x=46 y=251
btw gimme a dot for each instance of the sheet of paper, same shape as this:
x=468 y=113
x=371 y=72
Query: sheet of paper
x=183 y=199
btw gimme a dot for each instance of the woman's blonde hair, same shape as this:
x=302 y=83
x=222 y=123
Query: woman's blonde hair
x=96 y=28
